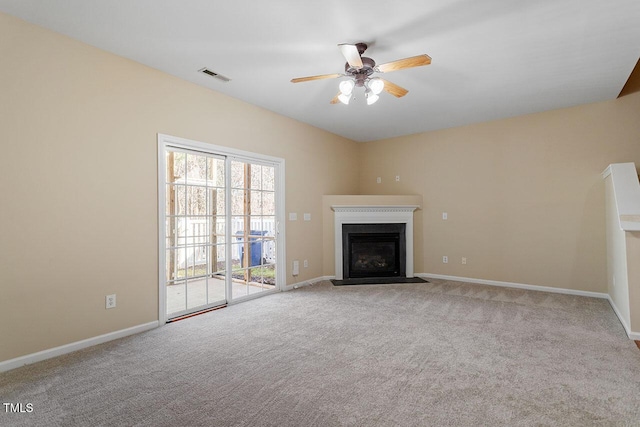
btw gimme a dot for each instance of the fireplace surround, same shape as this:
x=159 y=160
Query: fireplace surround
x=377 y=217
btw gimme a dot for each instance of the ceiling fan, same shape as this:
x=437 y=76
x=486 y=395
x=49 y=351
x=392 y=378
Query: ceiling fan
x=360 y=70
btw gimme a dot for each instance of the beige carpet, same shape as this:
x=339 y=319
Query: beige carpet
x=424 y=354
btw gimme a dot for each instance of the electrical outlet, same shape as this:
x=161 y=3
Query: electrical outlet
x=111 y=301
x=378 y=180
x=464 y=260
x=445 y=259
x=307 y=217
x=444 y=215
x=397 y=178
x=305 y=263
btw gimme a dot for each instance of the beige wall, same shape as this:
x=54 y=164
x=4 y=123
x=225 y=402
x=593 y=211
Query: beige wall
x=524 y=196
x=78 y=217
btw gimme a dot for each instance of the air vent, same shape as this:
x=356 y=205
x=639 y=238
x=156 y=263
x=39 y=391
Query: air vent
x=215 y=75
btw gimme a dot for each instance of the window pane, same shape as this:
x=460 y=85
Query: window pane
x=177 y=172
x=200 y=258
x=216 y=286
x=269 y=250
x=190 y=261
x=196 y=200
x=269 y=276
x=196 y=169
x=268 y=203
x=256 y=226
x=256 y=177
x=269 y=225
x=237 y=253
x=255 y=275
x=172 y=231
x=170 y=265
x=237 y=226
x=176 y=199
x=171 y=159
x=215 y=200
x=237 y=202
x=196 y=293
x=217 y=230
x=181 y=231
x=215 y=172
x=268 y=178
x=237 y=175
x=176 y=297
x=221 y=202
x=256 y=202
x=180 y=263
x=197 y=230
x=218 y=253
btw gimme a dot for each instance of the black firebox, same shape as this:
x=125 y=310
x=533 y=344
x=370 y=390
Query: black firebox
x=374 y=250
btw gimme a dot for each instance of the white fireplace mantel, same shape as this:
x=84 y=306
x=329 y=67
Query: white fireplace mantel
x=373 y=214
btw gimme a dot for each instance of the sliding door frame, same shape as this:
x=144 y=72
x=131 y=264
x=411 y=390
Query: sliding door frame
x=168 y=141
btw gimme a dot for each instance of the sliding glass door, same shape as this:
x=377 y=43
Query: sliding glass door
x=253 y=225
x=220 y=240
x=195 y=231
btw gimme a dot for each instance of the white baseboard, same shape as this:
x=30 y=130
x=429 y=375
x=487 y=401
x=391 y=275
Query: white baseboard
x=517 y=285
x=632 y=335
x=74 y=346
x=307 y=282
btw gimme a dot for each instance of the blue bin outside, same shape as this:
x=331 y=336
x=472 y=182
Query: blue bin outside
x=256 y=246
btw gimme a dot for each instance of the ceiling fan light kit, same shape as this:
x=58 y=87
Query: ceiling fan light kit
x=371 y=97
x=344 y=98
x=346 y=86
x=376 y=85
x=360 y=69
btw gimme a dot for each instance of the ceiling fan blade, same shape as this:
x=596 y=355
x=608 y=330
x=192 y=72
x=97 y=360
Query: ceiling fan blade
x=351 y=54
x=394 y=89
x=335 y=99
x=320 y=77
x=401 y=64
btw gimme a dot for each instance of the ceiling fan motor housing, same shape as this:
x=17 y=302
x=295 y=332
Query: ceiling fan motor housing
x=361 y=74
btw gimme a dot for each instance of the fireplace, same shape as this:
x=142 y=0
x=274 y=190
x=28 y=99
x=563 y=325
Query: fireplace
x=373 y=250
x=376 y=232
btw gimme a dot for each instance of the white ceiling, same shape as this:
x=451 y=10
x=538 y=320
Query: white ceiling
x=491 y=58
